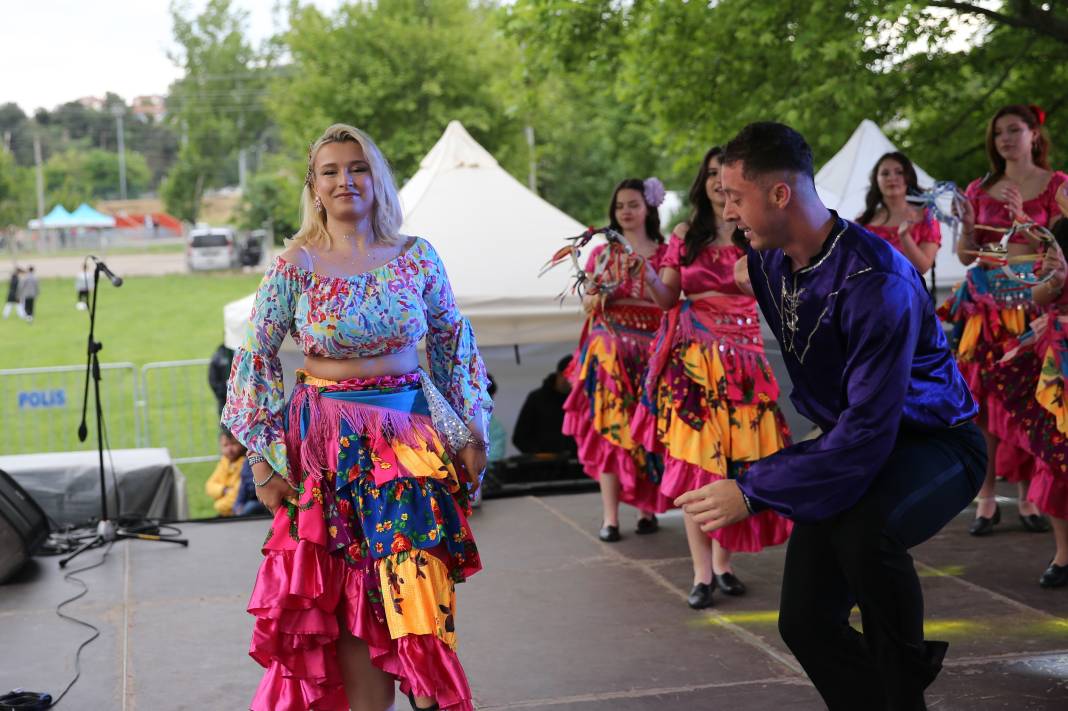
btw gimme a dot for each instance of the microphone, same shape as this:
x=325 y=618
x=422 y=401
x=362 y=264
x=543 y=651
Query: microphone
x=115 y=280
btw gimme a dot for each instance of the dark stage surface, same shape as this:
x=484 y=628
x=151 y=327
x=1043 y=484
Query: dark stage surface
x=557 y=620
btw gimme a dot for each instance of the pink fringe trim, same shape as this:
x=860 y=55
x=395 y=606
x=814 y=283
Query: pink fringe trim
x=319 y=449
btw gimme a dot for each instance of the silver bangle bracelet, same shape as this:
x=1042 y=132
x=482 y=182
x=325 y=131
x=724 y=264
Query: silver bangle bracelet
x=261 y=484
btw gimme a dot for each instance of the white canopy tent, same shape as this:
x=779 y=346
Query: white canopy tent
x=843 y=181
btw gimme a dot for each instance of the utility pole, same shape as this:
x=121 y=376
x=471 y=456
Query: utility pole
x=40 y=187
x=119 y=111
x=532 y=178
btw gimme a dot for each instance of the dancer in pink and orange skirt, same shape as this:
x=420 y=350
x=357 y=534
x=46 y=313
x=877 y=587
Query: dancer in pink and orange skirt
x=708 y=404
x=989 y=310
x=610 y=362
x=1030 y=385
x=367 y=469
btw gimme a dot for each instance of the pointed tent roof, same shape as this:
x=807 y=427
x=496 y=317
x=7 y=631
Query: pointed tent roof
x=843 y=182
x=86 y=216
x=57 y=218
x=494 y=235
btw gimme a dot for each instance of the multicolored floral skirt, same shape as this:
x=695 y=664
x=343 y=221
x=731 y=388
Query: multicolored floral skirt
x=1030 y=408
x=709 y=406
x=606 y=373
x=988 y=311
x=377 y=543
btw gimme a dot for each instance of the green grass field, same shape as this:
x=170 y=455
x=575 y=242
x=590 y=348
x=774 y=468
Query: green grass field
x=149 y=319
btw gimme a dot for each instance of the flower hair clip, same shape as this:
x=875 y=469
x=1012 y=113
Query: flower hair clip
x=653 y=191
x=1039 y=112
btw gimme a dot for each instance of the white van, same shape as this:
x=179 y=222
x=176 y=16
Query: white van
x=212 y=248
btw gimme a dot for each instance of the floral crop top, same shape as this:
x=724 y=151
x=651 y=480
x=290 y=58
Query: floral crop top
x=386 y=310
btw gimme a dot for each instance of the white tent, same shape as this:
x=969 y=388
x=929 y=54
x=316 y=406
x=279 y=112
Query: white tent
x=493 y=235
x=846 y=176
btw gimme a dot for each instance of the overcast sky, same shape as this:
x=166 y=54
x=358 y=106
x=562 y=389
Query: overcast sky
x=53 y=51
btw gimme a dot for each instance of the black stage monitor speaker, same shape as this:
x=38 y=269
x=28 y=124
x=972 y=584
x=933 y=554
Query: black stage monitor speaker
x=23 y=526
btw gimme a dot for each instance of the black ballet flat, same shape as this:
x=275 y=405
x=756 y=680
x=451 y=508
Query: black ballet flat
x=730 y=584
x=411 y=700
x=1034 y=523
x=1055 y=576
x=609 y=534
x=983 y=526
x=647 y=525
x=701 y=595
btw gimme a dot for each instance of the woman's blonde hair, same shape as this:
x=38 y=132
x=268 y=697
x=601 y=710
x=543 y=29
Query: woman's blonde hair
x=386 y=215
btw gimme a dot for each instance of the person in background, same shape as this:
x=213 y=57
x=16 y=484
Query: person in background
x=223 y=484
x=246 y=503
x=13 y=295
x=497 y=437
x=911 y=230
x=83 y=285
x=219 y=373
x=539 y=427
x=27 y=294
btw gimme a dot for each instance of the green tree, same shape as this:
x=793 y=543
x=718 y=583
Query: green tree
x=272 y=198
x=217 y=106
x=17 y=201
x=401 y=70
x=75 y=176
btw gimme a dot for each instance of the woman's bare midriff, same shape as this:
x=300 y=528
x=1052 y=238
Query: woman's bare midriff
x=345 y=369
x=706 y=295
x=631 y=302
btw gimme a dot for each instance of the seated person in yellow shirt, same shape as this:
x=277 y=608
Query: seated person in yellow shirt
x=224 y=482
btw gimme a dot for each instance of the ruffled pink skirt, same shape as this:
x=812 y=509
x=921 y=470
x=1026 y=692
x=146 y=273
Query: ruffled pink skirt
x=373 y=548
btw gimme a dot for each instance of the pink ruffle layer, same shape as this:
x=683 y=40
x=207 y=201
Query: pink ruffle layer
x=1049 y=492
x=301 y=592
x=599 y=455
x=752 y=535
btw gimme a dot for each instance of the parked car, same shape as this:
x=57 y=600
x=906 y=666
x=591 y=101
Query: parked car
x=252 y=246
x=212 y=248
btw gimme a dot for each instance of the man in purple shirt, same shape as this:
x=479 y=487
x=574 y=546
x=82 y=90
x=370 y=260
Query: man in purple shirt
x=899 y=456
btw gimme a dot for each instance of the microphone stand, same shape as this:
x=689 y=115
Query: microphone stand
x=107 y=530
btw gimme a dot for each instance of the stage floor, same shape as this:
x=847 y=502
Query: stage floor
x=557 y=620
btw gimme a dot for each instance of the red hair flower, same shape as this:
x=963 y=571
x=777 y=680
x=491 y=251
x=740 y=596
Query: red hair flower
x=1040 y=114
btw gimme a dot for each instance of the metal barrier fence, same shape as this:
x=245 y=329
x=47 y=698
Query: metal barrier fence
x=166 y=404
x=40 y=408
x=179 y=410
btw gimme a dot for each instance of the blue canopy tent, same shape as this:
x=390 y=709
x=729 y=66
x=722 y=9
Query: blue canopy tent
x=58 y=218
x=86 y=216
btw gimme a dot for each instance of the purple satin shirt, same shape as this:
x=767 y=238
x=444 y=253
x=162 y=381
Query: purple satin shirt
x=867 y=357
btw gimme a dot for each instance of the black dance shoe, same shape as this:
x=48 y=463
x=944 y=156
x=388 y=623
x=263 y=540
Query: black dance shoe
x=1056 y=576
x=1034 y=523
x=609 y=534
x=411 y=700
x=730 y=584
x=983 y=526
x=701 y=595
x=647 y=525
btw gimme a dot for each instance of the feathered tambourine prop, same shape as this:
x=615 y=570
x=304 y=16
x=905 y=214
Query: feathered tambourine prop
x=1018 y=267
x=945 y=202
x=612 y=267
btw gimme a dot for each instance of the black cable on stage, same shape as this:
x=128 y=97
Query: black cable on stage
x=20 y=700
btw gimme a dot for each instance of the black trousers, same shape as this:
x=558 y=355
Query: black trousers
x=860 y=556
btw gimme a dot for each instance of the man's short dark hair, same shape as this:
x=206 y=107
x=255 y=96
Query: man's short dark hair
x=768 y=147
x=561 y=366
